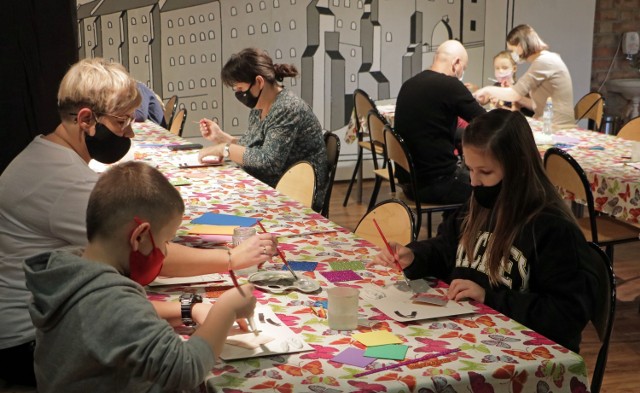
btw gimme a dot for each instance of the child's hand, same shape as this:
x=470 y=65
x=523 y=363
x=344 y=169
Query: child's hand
x=465 y=289
x=402 y=254
x=240 y=300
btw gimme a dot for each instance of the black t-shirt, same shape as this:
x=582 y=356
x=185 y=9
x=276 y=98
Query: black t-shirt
x=427 y=111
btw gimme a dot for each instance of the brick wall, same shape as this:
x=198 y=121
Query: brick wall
x=612 y=19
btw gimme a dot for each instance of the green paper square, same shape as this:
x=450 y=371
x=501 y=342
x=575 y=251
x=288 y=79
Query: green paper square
x=390 y=351
x=349 y=265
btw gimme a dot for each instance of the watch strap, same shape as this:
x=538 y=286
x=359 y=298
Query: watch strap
x=187 y=300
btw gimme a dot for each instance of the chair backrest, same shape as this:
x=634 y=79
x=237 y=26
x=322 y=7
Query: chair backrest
x=395 y=220
x=299 y=183
x=603 y=313
x=566 y=174
x=177 y=125
x=631 y=130
x=332 y=143
x=170 y=108
x=398 y=153
x=362 y=104
x=375 y=125
x=590 y=106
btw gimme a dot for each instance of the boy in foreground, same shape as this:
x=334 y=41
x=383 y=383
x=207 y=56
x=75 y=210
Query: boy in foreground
x=96 y=330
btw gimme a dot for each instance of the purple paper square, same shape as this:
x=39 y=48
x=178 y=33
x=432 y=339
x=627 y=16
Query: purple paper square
x=302 y=266
x=342 y=275
x=354 y=357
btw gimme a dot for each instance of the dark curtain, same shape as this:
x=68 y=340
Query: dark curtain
x=38 y=43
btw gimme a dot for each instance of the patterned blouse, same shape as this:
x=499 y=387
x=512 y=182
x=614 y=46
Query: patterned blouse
x=289 y=133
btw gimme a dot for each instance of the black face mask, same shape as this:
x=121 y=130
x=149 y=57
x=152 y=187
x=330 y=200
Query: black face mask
x=246 y=98
x=487 y=196
x=105 y=146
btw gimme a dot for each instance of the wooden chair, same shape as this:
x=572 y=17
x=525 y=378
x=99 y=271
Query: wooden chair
x=177 y=125
x=603 y=313
x=299 y=183
x=376 y=124
x=362 y=104
x=396 y=222
x=170 y=108
x=398 y=154
x=631 y=130
x=332 y=144
x=566 y=174
x=590 y=106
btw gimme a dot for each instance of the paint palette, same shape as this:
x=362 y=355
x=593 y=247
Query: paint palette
x=282 y=281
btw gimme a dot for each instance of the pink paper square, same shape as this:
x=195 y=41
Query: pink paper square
x=341 y=275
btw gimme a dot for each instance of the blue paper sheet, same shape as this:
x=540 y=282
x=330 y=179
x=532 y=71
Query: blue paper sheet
x=302 y=266
x=224 y=219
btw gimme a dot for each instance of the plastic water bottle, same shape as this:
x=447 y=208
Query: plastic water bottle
x=547 y=117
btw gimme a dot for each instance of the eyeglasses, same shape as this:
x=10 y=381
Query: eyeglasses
x=123 y=121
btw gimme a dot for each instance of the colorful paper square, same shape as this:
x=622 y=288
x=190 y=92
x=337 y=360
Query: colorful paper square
x=391 y=351
x=353 y=357
x=224 y=219
x=340 y=276
x=348 y=265
x=377 y=337
x=301 y=266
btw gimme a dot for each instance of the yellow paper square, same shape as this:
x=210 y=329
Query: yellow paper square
x=377 y=337
x=212 y=229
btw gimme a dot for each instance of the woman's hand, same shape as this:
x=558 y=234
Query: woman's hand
x=215 y=150
x=482 y=96
x=253 y=251
x=211 y=131
x=465 y=289
x=403 y=255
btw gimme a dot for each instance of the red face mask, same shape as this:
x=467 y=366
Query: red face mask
x=145 y=268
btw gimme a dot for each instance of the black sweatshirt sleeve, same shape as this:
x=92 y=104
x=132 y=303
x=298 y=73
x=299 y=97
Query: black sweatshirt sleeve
x=558 y=302
x=435 y=257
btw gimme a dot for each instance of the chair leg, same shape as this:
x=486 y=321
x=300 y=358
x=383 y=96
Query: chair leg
x=418 y=223
x=609 y=251
x=374 y=194
x=429 y=225
x=353 y=176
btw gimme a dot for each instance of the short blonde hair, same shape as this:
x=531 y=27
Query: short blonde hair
x=101 y=85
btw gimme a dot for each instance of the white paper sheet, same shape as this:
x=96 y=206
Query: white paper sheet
x=397 y=304
x=205 y=278
x=268 y=324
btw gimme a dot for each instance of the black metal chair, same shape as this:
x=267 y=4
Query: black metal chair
x=177 y=124
x=606 y=231
x=332 y=143
x=376 y=124
x=395 y=219
x=170 y=108
x=591 y=107
x=603 y=313
x=398 y=153
x=362 y=104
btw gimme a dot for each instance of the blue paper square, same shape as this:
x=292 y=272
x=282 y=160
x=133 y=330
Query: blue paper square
x=301 y=266
x=224 y=219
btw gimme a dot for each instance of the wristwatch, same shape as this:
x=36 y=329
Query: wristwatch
x=187 y=300
x=225 y=151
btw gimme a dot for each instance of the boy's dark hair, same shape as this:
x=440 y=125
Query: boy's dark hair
x=128 y=190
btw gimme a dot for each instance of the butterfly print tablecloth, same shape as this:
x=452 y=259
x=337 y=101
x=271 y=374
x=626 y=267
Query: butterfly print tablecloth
x=496 y=353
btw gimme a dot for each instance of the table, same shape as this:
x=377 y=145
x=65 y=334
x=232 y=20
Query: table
x=496 y=353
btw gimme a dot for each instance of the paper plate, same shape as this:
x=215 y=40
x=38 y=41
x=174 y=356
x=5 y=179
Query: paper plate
x=282 y=281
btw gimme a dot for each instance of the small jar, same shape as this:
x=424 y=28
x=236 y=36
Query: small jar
x=241 y=234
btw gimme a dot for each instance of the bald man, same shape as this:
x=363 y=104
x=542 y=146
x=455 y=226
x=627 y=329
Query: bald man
x=427 y=111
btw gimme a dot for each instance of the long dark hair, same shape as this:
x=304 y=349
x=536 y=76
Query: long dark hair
x=525 y=190
x=245 y=65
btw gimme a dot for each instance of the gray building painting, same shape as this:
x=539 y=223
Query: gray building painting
x=178 y=47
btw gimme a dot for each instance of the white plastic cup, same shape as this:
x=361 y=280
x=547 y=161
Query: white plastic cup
x=343 y=308
x=241 y=234
x=635 y=152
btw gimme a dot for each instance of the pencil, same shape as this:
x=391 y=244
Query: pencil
x=280 y=254
x=386 y=243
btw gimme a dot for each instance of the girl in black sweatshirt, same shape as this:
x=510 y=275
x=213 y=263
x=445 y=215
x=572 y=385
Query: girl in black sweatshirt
x=515 y=245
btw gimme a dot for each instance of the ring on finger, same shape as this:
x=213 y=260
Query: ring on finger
x=264 y=250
